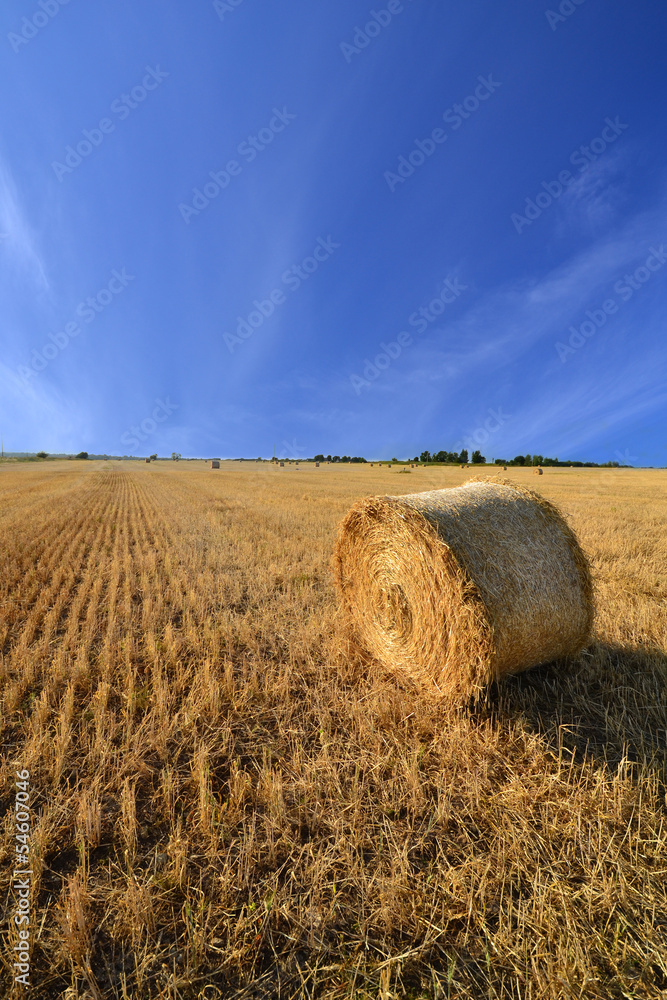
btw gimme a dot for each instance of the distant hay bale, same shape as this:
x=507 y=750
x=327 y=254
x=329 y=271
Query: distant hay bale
x=282 y=465
x=215 y=464
x=317 y=465
x=538 y=472
x=459 y=587
x=148 y=461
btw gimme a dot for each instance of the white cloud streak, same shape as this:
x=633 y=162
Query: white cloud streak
x=19 y=243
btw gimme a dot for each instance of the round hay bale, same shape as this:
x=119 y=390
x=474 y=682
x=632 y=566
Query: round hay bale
x=538 y=472
x=459 y=587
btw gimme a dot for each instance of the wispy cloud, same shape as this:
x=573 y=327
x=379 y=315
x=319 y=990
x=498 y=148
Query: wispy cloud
x=593 y=200
x=508 y=321
x=19 y=243
x=38 y=415
x=480 y=359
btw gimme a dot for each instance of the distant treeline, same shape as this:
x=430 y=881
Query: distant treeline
x=336 y=458
x=539 y=460
x=41 y=455
x=426 y=458
x=462 y=458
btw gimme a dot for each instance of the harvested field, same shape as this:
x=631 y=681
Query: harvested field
x=225 y=803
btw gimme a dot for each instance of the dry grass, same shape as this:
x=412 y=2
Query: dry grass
x=228 y=805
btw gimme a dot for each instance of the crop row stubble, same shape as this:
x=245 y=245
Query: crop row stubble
x=222 y=794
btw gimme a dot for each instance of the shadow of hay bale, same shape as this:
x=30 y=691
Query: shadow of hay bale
x=609 y=703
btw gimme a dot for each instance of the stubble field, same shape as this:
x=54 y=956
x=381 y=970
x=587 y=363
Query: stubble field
x=225 y=803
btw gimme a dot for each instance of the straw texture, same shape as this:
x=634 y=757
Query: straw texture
x=456 y=588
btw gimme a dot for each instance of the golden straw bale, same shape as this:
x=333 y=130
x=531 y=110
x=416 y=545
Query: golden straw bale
x=538 y=472
x=456 y=588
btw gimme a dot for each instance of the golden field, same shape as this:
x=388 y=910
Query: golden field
x=226 y=804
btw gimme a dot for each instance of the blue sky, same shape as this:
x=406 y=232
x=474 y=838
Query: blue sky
x=336 y=227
